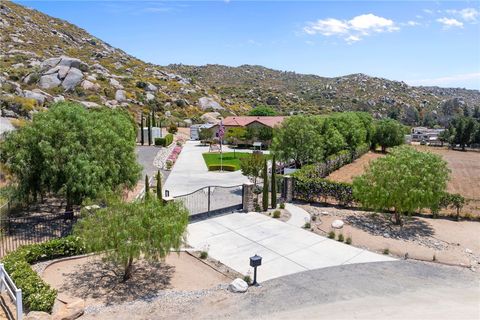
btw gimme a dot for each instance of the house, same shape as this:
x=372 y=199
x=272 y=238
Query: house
x=419 y=134
x=250 y=122
x=196 y=128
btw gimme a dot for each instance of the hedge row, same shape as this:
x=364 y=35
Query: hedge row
x=164 y=142
x=338 y=160
x=38 y=295
x=225 y=167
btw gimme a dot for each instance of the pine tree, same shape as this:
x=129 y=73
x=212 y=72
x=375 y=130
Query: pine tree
x=265 y=187
x=274 y=184
x=147 y=188
x=159 y=185
x=142 y=138
x=149 y=125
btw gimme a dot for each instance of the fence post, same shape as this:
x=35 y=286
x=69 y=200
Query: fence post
x=287 y=192
x=247 y=197
x=2 y=278
x=208 y=200
x=18 y=296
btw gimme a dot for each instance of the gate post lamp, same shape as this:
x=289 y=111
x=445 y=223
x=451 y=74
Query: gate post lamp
x=255 y=261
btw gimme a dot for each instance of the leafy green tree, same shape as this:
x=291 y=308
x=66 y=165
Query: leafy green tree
x=389 y=133
x=159 y=186
x=351 y=127
x=265 y=186
x=298 y=140
x=262 y=111
x=265 y=134
x=172 y=128
x=252 y=165
x=334 y=140
x=405 y=180
x=73 y=152
x=235 y=135
x=124 y=232
x=274 y=183
x=464 y=131
x=205 y=134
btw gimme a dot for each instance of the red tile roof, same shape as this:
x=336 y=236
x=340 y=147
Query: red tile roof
x=246 y=120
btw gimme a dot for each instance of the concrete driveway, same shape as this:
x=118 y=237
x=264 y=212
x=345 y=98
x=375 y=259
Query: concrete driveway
x=190 y=172
x=285 y=249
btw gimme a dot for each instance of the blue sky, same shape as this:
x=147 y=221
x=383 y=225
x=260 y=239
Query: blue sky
x=421 y=43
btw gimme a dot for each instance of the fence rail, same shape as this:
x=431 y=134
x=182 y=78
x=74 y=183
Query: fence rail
x=6 y=284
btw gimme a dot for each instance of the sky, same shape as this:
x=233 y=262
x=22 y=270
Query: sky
x=421 y=43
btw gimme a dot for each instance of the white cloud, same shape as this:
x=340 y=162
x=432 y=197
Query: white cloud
x=351 y=30
x=452 y=80
x=412 y=23
x=467 y=14
x=450 y=23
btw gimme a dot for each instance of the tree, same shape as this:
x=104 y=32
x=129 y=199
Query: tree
x=444 y=136
x=464 y=131
x=334 y=141
x=124 y=232
x=251 y=166
x=73 y=152
x=159 y=186
x=142 y=138
x=389 y=133
x=405 y=180
x=265 y=134
x=236 y=134
x=262 y=111
x=299 y=140
x=149 y=125
x=153 y=119
x=205 y=134
x=172 y=128
x=265 y=186
x=274 y=183
x=147 y=187
x=351 y=127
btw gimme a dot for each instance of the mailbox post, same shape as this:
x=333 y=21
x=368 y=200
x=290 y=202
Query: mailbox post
x=255 y=261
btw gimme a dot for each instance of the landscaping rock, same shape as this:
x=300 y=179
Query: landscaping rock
x=38 y=315
x=337 y=224
x=70 y=311
x=238 y=285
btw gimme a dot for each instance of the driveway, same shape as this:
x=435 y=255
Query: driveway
x=286 y=249
x=190 y=172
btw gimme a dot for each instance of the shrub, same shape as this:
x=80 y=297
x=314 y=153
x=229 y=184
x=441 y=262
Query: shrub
x=225 y=167
x=169 y=164
x=276 y=214
x=38 y=295
x=172 y=129
x=282 y=205
x=386 y=251
x=307 y=225
x=247 y=279
x=165 y=141
x=331 y=235
x=203 y=255
x=340 y=238
x=348 y=240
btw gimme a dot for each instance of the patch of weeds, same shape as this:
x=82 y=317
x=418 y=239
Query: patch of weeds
x=276 y=214
x=282 y=205
x=203 y=255
x=331 y=235
x=348 y=240
x=247 y=279
x=340 y=238
x=386 y=251
x=307 y=225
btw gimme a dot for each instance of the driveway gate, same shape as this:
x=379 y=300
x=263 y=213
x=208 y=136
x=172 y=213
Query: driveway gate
x=212 y=200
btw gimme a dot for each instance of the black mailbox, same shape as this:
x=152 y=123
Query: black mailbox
x=255 y=261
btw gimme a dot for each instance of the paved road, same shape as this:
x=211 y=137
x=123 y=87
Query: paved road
x=285 y=248
x=145 y=156
x=190 y=172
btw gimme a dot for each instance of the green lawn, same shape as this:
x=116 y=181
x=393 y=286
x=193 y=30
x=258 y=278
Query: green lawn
x=214 y=158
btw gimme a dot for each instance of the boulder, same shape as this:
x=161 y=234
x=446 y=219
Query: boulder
x=49 y=63
x=49 y=81
x=120 y=95
x=60 y=70
x=149 y=96
x=151 y=87
x=238 y=285
x=337 y=224
x=116 y=84
x=38 y=315
x=73 y=63
x=9 y=113
x=40 y=98
x=211 y=117
x=88 y=85
x=209 y=103
x=58 y=98
x=74 y=76
x=70 y=311
x=89 y=104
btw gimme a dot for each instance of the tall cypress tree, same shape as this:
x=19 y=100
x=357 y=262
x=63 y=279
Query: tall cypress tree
x=274 y=184
x=142 y=138
x=265 y=187
x=154 y=121
x=149 y=125
x=159 y=185
x=147 y=188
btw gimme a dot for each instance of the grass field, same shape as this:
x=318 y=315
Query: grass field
x=227 y=158
x=464 y=178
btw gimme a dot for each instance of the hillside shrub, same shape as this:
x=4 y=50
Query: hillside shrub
x=38 y=295
x=165 y=141
x=225 y=167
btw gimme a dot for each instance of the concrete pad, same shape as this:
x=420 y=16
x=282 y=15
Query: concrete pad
x=277 y=268
x=239 y=220
x=259 y=231
x=367 y=256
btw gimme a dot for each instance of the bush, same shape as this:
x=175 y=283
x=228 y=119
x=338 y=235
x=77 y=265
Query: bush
x=172 y=129
x=386 y=251
x=331 y=235
x=203 y=255
x=348 y=240
x=307 y=225
x=276 y=214
x=340 y=238
x=225 y=167
x=38 y=295
x=282 y=205
x=165 y=141
x=247 y=279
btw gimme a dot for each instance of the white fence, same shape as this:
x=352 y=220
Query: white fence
x=6 y=284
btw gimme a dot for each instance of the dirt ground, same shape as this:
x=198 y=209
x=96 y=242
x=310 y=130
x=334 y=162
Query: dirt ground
x=421 y=238
x=465 y=175
x=94 y=280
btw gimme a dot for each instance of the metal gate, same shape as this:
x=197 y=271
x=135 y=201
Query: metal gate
x=212 y=200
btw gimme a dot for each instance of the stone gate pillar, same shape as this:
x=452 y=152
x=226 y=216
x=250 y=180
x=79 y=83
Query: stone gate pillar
x=247 y=199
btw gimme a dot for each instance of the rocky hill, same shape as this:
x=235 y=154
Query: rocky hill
x=44 y=59
x=292 y=92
